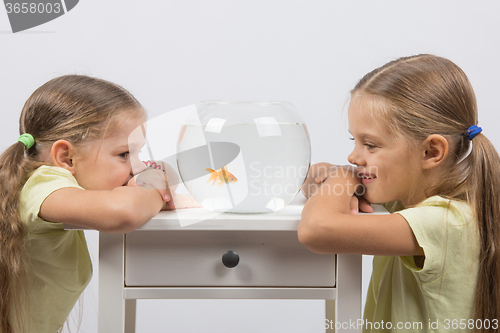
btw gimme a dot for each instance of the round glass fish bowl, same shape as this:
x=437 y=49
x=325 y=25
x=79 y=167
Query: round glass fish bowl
x=243 y=157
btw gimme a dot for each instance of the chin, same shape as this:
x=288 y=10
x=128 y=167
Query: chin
x=374 y=199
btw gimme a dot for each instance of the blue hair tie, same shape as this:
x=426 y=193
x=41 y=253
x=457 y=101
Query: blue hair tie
x=473 y=131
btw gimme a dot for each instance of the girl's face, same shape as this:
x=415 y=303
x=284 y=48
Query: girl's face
x=388 y=171
x=109 y=163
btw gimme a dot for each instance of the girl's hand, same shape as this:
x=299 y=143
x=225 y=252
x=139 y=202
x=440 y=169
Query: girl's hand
x=153 y=179
x=162 y=177
x=181 y=201
x=360 y=204
x=319 y=173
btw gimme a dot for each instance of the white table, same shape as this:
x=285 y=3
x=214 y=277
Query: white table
x=178 y=255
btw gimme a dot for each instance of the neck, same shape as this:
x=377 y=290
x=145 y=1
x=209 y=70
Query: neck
x=420 y=189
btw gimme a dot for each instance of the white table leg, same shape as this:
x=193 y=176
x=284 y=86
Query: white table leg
x=349 y=292
x=330 y=307
x=111 y=311
x=130 y=307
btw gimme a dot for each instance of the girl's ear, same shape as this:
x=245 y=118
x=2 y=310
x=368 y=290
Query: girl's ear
x=435 y=151
x=62 y=153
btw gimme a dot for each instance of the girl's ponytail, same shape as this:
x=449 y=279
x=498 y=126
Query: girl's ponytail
x=13 y=266
x=484 y=185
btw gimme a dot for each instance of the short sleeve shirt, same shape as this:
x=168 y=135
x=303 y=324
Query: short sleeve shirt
x=59 y=262
x=429 y=297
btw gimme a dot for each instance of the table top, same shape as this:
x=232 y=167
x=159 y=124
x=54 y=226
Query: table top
x=286 y=219
x=202 y=219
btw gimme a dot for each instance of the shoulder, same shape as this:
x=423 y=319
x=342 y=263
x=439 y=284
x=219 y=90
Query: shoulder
x=49 y=176
x=42 y=182
x=51 y=171
x=438 y=209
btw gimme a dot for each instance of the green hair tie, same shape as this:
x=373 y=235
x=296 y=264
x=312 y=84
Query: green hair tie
x=27 y=139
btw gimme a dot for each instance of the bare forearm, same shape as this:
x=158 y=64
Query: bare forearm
x=121 y=210
x=132 y=208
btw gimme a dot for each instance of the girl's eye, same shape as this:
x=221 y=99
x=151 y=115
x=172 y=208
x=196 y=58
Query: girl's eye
x=124 y=155
x=370 y=146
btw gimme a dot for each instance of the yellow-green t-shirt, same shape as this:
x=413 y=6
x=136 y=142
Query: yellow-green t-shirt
x=440 y=296
x=59 y=262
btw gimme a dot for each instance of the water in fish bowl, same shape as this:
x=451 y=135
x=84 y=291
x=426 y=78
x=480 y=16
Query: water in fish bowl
x=244 y=157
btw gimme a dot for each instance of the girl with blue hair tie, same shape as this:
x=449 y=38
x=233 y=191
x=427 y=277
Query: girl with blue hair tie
x=417 y=150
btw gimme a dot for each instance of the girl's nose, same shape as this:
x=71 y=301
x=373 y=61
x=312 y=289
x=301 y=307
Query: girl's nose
x=137 y=166
x=355 y=158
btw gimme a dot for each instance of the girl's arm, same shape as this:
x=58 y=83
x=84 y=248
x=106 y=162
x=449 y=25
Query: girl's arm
x=120 y=210
x=327 y=225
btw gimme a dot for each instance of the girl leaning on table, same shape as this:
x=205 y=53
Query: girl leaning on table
x=418 y=150
x=76 y=162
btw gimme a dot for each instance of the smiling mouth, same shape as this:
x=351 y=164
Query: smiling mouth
x=366 y=177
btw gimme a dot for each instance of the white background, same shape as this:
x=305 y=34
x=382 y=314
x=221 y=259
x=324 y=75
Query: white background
x=174 y=53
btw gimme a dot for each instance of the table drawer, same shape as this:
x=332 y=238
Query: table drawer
x=194 y=258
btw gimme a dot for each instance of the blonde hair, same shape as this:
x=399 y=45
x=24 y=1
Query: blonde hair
x=75 y=108
x=426 y=95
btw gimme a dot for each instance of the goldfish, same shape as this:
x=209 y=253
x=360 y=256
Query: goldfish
x=221 y=176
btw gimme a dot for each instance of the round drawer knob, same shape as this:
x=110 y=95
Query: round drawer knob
x=230 y=259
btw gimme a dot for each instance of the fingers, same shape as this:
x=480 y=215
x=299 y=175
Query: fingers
x=152 y=179
x=354 y=205
x=171 y=175
x=169 y=205
x=359 y=204
x=132 y=182
x=183 y=201
x=320 y=171
x=317 y=174
x=164 y=194
x=322 y=177
x=364 y=206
